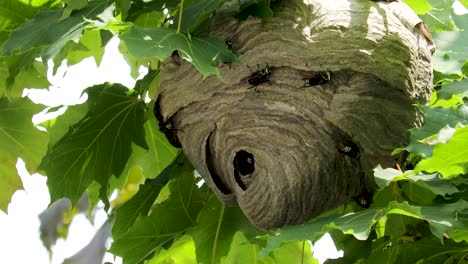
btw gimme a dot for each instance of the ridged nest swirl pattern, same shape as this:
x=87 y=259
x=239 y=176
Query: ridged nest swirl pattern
x=333 y=97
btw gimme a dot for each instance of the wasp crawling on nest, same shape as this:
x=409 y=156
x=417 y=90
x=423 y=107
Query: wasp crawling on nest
x=259 y=77
x=166 y=127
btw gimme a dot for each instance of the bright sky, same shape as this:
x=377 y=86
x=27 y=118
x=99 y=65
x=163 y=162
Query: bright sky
x=19 y=240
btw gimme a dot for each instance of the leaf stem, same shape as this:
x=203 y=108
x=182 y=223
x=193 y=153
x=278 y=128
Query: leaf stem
x=215 y=243
x=302 y=253
x=181 y=11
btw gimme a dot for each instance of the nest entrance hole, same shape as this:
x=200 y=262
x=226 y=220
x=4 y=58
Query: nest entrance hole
x=244 y=165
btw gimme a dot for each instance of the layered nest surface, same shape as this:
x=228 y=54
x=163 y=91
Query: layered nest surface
x=324 y=95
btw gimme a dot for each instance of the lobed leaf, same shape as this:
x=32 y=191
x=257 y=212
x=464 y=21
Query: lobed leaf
x=449 y=159
x=167 y=221
x=98 y=146
x=19 y=139
x=356 y=223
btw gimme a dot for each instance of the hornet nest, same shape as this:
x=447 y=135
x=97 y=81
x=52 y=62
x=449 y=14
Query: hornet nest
x=324 y=95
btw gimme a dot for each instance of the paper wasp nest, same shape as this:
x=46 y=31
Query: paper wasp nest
x=324 y=95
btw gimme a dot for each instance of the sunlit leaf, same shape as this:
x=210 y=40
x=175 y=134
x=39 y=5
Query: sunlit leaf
x=91 y=44
x=48 y=32
x=216 y=227
x=130 y=187
x=464 y=2
x=182 y=251
x=140 y=204
x=18 y=138
x=98 y=146
x=160 y=152
x=449 y=159
x=419 y=6
x=434 y=120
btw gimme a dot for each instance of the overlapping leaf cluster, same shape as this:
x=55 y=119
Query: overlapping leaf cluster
x=163 y=214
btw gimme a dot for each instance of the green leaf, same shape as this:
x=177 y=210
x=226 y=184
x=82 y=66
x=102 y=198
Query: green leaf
x=140 y=204
x=160 y=152
x=182 y=251
x=419 y=6
x=449 y=159
x=423 y=189
x=150 y=19
x=18 y=138
x=454 y=88
x=291 y=252
x=98 y=146
x=439 y=18
x=442 y=218
x=21 y=71
x=241 y=251
x=59 y=126
x=451 y=52
x=464 y=3
x=91 y=44
x=356 y=223
x=425 y=250
x=167 y=220
x=194 y=15
x=71 y=5
x=383 y=177
x=48 y=32
x=122 y=7
x=434 y=120
x=215 y=229
x=11 y=16
x=244 y=251
x=18 y=72
x=353 y=249
x=204 y=53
